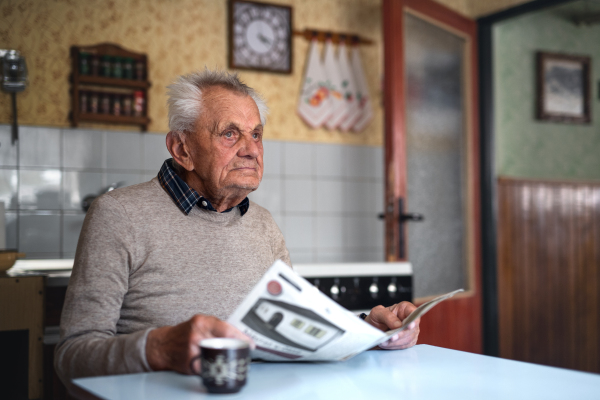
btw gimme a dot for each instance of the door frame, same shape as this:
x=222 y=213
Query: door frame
x=440 y=327
x=489 y=225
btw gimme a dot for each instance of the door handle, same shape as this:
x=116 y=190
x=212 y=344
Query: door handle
x=412 y=217
x=409 y=217
x=403 y=218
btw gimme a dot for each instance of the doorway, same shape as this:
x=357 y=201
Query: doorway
x=432 y=193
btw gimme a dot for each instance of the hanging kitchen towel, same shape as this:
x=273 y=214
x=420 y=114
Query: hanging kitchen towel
x=338 y=105
x=314 y=106
x=348 y=89
x=363 y=96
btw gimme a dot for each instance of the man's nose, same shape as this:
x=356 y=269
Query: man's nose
x=250 y=147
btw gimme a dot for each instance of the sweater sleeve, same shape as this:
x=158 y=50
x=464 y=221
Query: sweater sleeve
x=89 y=342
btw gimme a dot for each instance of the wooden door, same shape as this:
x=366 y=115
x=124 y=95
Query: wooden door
x=429 y=149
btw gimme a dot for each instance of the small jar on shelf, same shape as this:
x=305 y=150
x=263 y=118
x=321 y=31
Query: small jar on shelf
x=139 y=103
x=94 y=102
x=128 y=68
x=83 y=101
x=106 y=67
x=117 y=68
x=126 y=102
x=140 y=70
x=84 y=63
x=95 y=64
x=105 y=103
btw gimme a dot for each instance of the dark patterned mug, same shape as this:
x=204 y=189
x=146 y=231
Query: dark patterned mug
x=224 y=364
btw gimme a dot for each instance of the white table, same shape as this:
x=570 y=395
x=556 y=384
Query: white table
x=422 y=372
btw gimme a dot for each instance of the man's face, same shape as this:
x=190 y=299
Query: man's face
x=226 y=149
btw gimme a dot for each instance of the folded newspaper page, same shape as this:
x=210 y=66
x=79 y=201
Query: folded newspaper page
x=289 y=319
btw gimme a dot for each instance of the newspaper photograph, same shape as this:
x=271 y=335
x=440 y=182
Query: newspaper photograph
x=289 y=319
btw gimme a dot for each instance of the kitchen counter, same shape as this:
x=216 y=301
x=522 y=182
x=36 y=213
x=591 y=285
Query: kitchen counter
x=57 y=272
x=421 y=372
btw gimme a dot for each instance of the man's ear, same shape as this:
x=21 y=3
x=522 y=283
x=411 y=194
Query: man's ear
x=179 y=150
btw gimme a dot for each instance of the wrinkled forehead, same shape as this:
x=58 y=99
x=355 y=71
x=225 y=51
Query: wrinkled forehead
x=221 y=106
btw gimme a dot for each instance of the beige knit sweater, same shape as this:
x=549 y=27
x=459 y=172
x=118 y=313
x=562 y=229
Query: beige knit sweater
x=141 y=263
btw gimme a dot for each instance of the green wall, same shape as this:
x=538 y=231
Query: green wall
x=526 y=147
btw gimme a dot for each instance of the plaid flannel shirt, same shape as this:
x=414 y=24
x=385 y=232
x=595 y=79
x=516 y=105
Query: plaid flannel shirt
x=184 y=196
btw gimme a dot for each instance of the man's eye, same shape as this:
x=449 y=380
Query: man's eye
x=228 y=134
x=255 y=136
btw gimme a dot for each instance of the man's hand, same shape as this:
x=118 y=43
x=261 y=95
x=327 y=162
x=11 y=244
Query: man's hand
x=173 y=347
x=388 y=318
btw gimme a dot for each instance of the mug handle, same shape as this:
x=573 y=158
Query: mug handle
x=192 y=364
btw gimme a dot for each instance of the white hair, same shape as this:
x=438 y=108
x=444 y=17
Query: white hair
x=185 y=97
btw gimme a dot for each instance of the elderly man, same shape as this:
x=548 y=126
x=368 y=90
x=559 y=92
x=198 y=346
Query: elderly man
x=160 y=264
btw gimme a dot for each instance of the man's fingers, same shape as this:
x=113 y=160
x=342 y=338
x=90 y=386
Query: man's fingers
x=218 y=328
x=403 y=309
x=384 y=319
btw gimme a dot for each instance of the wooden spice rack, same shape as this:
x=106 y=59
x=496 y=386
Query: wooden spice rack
x=81 y=82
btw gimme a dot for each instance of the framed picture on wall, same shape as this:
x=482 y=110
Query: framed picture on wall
x=563 y=87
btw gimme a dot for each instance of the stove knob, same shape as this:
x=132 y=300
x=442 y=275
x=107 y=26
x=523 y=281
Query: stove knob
x=392 y=288
x=374 y=289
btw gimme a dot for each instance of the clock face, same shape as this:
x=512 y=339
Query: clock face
x=260 y=36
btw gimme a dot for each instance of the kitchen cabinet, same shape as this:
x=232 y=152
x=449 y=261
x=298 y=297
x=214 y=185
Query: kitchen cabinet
x=21 y=336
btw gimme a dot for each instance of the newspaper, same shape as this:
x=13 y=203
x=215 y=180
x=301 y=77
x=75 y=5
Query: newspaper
x=289 y=319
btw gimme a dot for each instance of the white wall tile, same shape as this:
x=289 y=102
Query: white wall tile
x=124 y=150
x=268 y=194
x=329 y=256
x=39 y=147
x=298 y=195
x=8 y=151
x=375 y=231
x=363 y=256
x=148 y=177
x=71 y=228
x=329 y=196
x=301 y=256
x=356 y=232
x=39 y=233
x=376 y=196
x=376 y=162
x=155 y=151
x=272 y=157
x=298 y=159
x=40 y=189
x=356 y=162
x=357 y=197
x=330 y=232
x=329 y=160
x=83 y=149
x=123 y=179
x=11 y=230
x=77 y=185
x=8 y=188
x=298 y=231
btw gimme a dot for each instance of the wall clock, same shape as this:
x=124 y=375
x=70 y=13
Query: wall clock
x=260 y=36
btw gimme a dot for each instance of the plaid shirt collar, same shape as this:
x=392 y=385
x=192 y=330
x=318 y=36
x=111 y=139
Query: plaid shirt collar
x=184 y=196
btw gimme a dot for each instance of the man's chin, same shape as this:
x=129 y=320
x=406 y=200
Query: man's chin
x=246 y=185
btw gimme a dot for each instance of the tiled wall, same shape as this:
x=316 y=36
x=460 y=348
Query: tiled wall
x=324 y=197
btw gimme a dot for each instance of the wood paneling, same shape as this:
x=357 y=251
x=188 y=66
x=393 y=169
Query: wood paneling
x=549 y=272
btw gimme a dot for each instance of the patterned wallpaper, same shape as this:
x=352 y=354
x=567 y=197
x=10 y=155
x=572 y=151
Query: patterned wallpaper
x=179 y=37
x=526 y=147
